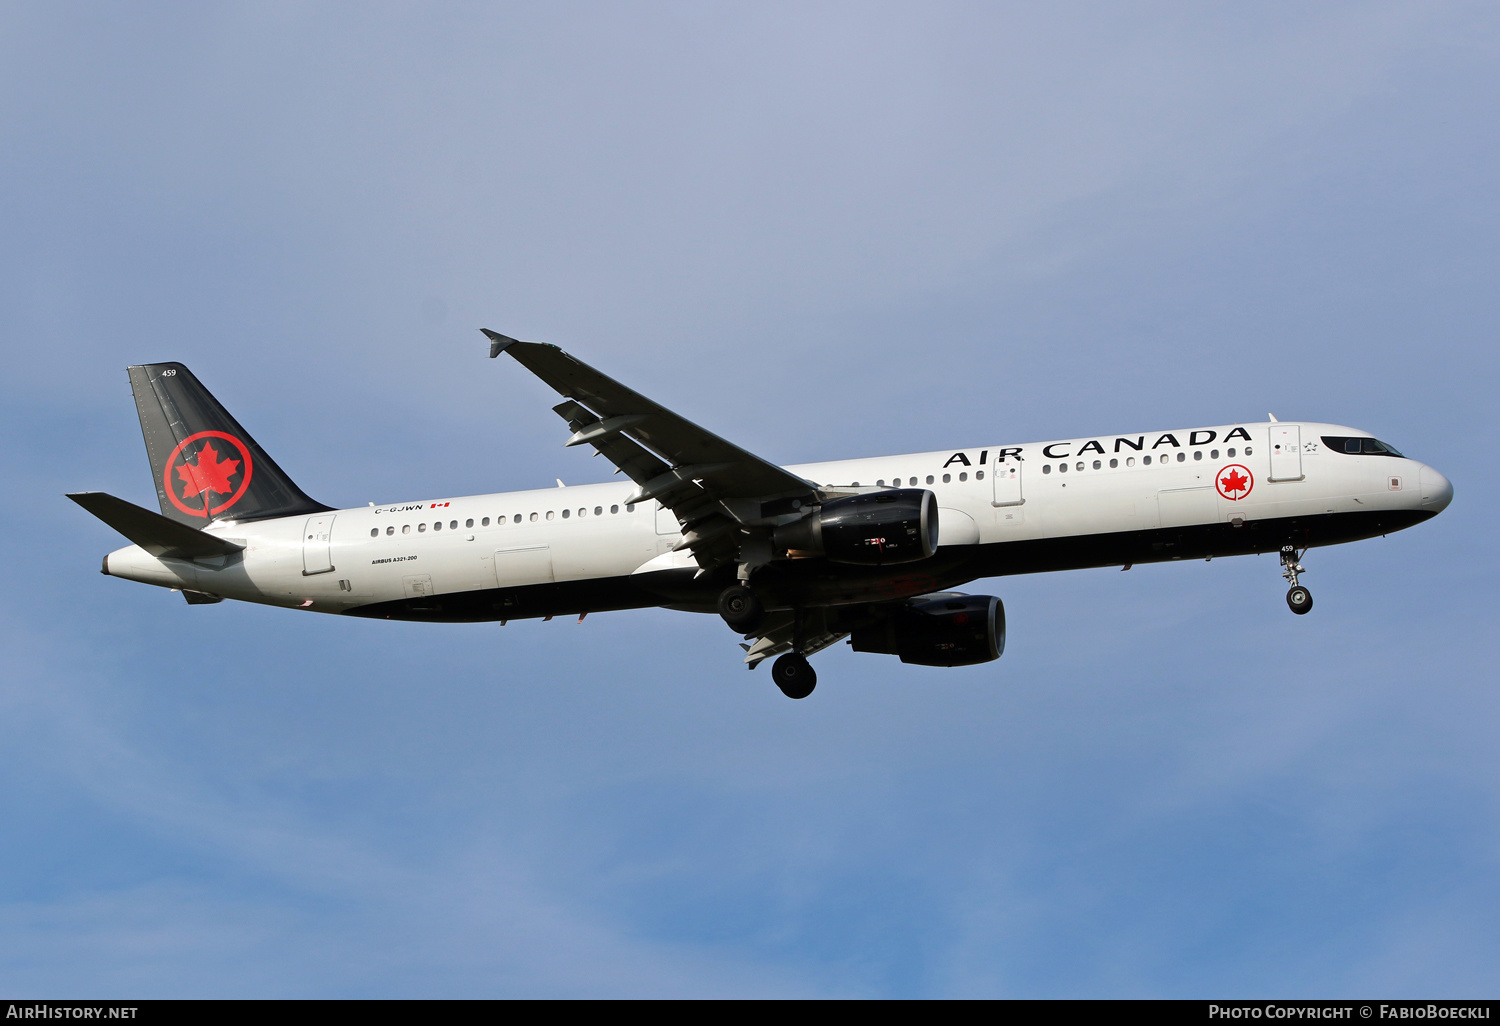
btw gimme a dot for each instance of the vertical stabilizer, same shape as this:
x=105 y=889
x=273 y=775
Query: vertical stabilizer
x=205 y=465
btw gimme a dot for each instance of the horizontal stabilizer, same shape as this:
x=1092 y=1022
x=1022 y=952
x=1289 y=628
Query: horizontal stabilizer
x=158 y=535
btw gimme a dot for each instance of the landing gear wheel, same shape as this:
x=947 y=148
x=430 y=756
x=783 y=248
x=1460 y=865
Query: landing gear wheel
x=794 y=675
x=741 y=609
x=1299 y=599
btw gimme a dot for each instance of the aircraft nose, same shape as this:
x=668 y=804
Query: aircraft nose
x=1437 y=490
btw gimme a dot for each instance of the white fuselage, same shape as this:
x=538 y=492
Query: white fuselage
x=987 y=496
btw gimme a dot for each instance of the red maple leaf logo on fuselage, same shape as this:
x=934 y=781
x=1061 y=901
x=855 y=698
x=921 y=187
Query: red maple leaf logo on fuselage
x=209 y=474
x=1234 y=481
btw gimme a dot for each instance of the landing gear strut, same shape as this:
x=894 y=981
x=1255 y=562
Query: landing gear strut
x=741 y=609
x=1298 y=598
x=794 y=675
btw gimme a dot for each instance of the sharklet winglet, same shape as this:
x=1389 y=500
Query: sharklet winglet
x=498 y=343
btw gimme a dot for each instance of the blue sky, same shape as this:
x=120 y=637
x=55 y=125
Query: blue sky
x=823 y=230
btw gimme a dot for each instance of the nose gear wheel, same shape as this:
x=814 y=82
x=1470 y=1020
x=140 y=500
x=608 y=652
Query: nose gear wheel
x=1298 y=598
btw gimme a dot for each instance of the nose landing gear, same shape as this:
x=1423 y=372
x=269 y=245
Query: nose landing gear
x=1298 y=598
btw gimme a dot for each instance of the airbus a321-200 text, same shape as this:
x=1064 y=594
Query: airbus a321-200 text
x=794 y=559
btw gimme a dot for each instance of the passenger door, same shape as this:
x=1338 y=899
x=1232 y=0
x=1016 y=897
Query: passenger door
x=317 y=535
x=1286 y=452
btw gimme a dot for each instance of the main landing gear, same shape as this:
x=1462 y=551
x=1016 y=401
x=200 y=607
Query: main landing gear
x=744 y=612
x=794 y=675
x=1298 y=598
x=741 y=610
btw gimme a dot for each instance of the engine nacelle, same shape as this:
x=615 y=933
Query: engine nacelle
x=939 y=630
x=898 y=525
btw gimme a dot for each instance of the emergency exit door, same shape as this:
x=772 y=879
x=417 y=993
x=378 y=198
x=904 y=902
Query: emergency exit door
x=1006 y=474
x=666 y=521
x=317 y=533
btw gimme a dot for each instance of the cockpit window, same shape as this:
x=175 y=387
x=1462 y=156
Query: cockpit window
x=1358 y=446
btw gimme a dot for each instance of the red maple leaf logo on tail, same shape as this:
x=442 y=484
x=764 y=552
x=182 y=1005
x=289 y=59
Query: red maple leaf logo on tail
x=1233 y=481
x=210 y=474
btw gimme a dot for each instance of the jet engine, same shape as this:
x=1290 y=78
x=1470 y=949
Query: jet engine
x=947 y=629
x=898 y=525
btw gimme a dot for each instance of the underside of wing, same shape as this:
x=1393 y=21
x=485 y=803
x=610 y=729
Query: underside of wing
x=804 y=632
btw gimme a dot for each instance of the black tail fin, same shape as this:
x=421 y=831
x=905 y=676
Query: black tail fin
x=205 y=465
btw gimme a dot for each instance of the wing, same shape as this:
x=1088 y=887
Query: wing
x=712 y=485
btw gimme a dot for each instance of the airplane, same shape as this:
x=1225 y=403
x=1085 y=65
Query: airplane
x=794 y=559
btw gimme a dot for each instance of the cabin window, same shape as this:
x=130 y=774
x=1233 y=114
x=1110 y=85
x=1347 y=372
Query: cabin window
x=391 y=529
x=517 y=518
x=453 y=525
x=963 y=475
x=534 y=518
x=1113 y=464
x=979 y=475
x=1213 y=454
x=1182 y=457
x=406 y=529
x=947 y=478
x=1130 y=461
x=614 y=509
x=912 y=482
x=1247 y=450
x=880 y=482
x=583 y=512
x=374 y=532
x=1080 y=465
x=598 y=511
x=630 y=507
x=1145 y=461
x=1046 y=468
x=485 y=522
x=566 y=513
x=1097 y=465
x=929 y=479
x=421 y=528
x=1197 y=454
x=1062 y=468
x=1230 y=453
x=438 y=526
x=550 y=514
